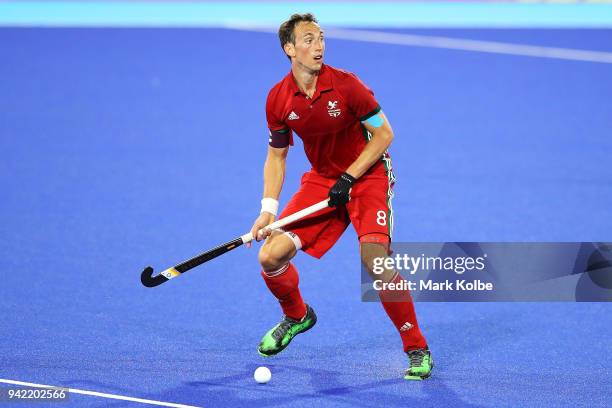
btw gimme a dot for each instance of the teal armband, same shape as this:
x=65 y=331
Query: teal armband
x=375 y=121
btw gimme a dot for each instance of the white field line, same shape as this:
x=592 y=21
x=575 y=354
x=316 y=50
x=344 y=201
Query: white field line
x=494 y=47
x=98 y=394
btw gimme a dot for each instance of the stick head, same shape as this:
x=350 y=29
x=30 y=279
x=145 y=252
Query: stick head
x=147 y=279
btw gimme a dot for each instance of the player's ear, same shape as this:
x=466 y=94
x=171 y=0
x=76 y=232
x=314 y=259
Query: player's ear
x=289 y=49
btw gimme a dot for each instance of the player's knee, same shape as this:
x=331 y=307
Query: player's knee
x=369 y=254
x=267 y=260
x=373 y=247
x=271 y=256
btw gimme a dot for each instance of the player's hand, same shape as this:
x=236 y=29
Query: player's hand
x=264 y=219
x=340 y=193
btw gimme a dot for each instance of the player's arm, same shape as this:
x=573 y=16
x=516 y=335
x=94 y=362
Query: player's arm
x=274 y=176
x=382 y=135
x=281 y=137
x=274 y=171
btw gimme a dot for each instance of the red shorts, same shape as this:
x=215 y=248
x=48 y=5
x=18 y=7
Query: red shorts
x=369 y=210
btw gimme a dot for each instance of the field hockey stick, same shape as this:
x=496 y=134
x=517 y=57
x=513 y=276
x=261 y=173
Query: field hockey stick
x=151 y=281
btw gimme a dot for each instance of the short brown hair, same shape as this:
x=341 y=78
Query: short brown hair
x=286 y=32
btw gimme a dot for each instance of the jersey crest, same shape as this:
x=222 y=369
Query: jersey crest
x=332 y=109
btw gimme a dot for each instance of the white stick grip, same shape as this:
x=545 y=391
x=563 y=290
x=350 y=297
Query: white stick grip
x=248 y=237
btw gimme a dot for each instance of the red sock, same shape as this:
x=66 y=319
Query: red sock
x=400 y=308
x=283 y=283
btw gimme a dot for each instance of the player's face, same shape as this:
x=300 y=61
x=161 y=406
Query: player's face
x=309 y=46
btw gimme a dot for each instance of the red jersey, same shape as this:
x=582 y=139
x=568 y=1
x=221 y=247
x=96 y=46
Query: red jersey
x=329 y=123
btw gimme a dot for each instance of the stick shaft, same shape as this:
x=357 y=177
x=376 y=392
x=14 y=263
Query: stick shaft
x=150 y=281
x=248 y=237
x=208 y=255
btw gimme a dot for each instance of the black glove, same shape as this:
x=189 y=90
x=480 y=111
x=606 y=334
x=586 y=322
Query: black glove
x=339 y=194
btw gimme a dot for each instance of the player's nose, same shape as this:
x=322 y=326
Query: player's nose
x=319 y=45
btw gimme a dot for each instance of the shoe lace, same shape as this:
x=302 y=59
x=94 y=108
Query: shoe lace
x=283 y=328
x=416 y=357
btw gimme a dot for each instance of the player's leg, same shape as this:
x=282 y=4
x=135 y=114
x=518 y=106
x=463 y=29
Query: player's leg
x=280 y=275
x=282 y=278
x=314 y=235
x=399 y=307
x=372 y=217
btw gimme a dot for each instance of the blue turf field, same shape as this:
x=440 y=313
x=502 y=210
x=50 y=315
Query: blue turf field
x=127 y=147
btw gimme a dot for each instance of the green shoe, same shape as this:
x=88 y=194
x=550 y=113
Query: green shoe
x=421 y=364
x=281 y=335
